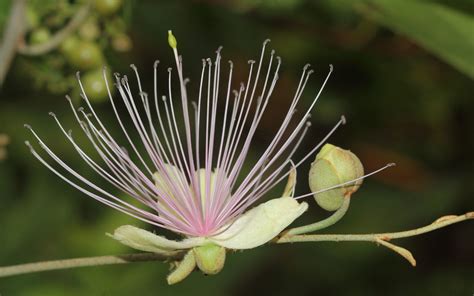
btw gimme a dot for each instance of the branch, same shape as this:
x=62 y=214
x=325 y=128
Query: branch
x=88 y=261
x=45 y=47
x=380 y=238
x=14 y=30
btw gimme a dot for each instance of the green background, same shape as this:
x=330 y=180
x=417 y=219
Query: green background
x=403 y=78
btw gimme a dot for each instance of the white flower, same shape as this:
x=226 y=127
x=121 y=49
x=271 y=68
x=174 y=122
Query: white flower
x=190 y=178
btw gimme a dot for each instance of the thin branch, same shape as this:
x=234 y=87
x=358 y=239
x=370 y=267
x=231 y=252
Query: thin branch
x=79 y=17
x=82 y=262
x=439 y=223
x=14 y=30
x=380 y=238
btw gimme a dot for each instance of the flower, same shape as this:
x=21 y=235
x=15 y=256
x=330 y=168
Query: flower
x=190 y=178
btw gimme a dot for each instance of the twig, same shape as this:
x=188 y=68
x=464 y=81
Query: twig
x=82 y=262
x=439 y=223
x=45 y=47
x=380 y=238
x=14 y=30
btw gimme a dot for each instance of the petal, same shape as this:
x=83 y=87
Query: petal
x=174 y=174
x=260 y=224
x=143 y=240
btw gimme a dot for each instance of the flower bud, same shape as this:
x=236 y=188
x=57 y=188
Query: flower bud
x=210 y=258
x=331 y=167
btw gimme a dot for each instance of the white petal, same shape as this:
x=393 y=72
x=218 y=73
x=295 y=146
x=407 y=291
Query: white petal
x=174 y=174
x=143 y=240
x=260 y=224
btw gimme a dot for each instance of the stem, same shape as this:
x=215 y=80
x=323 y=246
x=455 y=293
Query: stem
x=14 y=31
x=439 y=223
x=331 y=220
x=379 y=238
x=47 y=46
x=81 y=262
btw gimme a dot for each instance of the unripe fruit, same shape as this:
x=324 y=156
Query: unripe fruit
x=334 y=166
x=39 y=36
x=69 y=44
x=94 y=85
x=89 y=30
x=107 y=7
x=85 y=55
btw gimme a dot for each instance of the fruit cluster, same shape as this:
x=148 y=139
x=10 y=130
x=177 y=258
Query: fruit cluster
x=101 y=30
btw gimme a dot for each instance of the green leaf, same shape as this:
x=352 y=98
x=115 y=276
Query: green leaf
x=447 y=33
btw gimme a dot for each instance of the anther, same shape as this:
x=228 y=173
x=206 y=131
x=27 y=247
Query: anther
x=343 y=119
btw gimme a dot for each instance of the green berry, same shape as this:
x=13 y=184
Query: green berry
x=69 y=44
x=85 y=55
x=95 y=86
x=89 y=30
x=39 y=36
x=107 y=7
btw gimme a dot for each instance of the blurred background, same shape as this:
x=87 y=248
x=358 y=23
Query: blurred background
x=403 y=77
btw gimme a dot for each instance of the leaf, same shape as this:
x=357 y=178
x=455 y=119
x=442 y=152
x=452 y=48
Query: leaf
x=443 y=31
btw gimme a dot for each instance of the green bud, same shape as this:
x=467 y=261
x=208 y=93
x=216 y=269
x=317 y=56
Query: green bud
x=172 y=40
x=331 y=167
x=210 y=258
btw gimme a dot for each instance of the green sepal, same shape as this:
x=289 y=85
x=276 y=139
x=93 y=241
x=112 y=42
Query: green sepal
x=183 y=269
